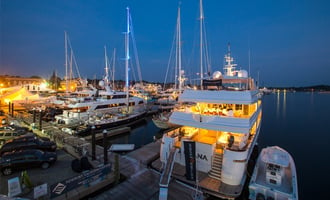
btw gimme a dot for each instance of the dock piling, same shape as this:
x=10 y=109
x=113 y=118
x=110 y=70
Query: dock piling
x=34 y=115
x=40 y=121
x=93 y=142
x=105 y=147
x=12 y=109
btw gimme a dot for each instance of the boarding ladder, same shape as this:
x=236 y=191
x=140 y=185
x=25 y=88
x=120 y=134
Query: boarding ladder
x=215 y=171
x=166 y=174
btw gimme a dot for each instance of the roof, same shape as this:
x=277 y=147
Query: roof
x=220 y=96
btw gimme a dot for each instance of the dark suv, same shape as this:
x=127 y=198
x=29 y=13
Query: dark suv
x=27 y=142
x=23 y=159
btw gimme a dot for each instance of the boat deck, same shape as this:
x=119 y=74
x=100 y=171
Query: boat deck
x=207 y=184
x=286 y=185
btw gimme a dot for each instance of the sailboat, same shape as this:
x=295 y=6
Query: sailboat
x=130 y=112
x=107 y=108
x=168 y=99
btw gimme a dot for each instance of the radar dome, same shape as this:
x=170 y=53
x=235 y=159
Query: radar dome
x=242 y=74
x=101 y=83
x=216 y=75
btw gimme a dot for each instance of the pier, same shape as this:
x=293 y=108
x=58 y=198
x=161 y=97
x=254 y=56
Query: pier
x=142 y=182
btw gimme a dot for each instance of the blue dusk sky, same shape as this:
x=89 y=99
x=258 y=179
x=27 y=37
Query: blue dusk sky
x=288 y=40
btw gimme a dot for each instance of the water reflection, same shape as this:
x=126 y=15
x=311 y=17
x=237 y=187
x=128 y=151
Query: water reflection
x=278 y=104
x=141 y=134
x=284 y=104
x=312 y=98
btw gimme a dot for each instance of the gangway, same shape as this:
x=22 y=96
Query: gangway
x=166 y=174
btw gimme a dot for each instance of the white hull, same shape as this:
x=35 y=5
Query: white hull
x=81 y=111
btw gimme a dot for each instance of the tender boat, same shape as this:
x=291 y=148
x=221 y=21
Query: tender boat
x=274 y=176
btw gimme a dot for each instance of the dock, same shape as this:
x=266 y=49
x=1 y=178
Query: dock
x=110 y=133
x=141 y=181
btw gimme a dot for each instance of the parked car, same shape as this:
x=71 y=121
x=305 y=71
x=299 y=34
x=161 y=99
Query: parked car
x=24 y=159
x=9 y=134
x=28 y=142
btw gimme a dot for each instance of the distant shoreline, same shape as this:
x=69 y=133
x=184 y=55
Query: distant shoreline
x=315 y=88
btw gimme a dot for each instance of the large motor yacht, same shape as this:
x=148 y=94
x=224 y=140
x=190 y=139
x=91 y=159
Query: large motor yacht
x=219 y=126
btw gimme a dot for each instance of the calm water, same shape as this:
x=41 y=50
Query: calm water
x=297 y=122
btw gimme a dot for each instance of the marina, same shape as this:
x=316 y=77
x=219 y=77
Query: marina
x=208 y=152
x=139 y=134
x=133 y=166
x=231 y=111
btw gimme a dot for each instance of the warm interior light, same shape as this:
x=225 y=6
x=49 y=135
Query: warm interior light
x=43 y=85
x=7 y=101
x=223 y=139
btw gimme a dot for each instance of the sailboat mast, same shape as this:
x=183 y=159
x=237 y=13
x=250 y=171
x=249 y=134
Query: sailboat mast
x=66 y=62
x=179 y=49
x=106 y=78
x=113 y=68
x=127 y=56
x=201 y=40
x=71 y=73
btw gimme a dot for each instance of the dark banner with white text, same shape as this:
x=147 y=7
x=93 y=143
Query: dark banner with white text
x=190 y=156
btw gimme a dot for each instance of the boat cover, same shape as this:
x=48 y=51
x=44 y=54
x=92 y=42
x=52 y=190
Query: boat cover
x=275 y=155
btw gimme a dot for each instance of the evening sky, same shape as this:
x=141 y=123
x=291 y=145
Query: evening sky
x=288 y=40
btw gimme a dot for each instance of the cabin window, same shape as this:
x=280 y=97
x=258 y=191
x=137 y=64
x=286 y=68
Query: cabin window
x=246 y=109
x=102 y=106
x=238 y=106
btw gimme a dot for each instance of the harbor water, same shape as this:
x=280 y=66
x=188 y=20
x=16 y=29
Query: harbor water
x=296 y=121
x=299 y=122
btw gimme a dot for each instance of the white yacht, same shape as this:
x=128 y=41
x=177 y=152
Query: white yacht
x=220 y=124
x=80 y=109
x=274 y=176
